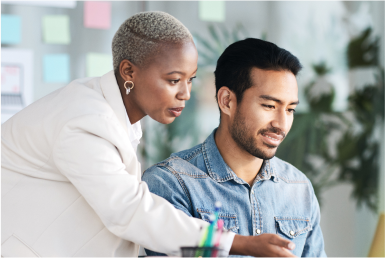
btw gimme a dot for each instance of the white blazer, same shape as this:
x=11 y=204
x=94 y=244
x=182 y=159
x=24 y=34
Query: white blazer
x=71 y=182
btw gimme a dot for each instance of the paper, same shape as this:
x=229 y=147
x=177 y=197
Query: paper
x=98 y=64
x=377 y=249
x=54 y=3
x=10 y=29
x=56 y=68
x=56 y=29
x=16 y=81
x=212 y=11
x=97 y=15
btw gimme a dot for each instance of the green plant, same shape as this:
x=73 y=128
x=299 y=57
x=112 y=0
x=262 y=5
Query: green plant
x=220 y=38
x=359 y=153
x=356 y=157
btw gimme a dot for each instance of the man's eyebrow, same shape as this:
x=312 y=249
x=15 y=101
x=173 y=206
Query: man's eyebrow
x=179 y=72
x=268 y=97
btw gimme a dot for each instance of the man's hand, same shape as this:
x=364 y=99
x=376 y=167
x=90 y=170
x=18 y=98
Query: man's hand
x=264 y=245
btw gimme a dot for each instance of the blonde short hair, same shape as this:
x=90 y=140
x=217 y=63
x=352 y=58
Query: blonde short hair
x=140 y=35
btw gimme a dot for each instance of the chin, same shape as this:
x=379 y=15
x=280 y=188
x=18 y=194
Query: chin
x=165 y=120
x=269 y=155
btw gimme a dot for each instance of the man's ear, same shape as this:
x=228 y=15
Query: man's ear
x=126 y=70
x=226 y=100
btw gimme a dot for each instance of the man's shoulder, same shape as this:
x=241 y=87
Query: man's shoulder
x=188 y=163
x=287 y=172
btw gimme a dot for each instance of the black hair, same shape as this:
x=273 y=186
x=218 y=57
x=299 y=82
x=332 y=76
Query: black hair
x=235 y=63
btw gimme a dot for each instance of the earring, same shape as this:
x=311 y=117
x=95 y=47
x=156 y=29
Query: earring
x=128 y=89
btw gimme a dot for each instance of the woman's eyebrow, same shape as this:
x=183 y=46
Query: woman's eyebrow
x=179 y=72
x=268 y=97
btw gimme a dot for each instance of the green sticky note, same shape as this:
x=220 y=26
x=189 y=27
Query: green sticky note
x=212 y=11
x=56 y=29
x=98 y=64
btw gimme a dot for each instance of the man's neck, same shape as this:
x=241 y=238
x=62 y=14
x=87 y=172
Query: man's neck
x=243 y=164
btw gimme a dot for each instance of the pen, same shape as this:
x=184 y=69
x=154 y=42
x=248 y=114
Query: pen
x=210 y=232
x=218 y=237
x=219 y=233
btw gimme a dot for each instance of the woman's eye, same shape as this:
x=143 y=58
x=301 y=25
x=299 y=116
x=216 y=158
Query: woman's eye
x=174 y=81
x=192 y=78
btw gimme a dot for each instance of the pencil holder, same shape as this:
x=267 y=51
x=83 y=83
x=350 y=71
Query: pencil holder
x=202 y=252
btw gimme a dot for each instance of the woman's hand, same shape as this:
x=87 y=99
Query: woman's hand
x=265 y=245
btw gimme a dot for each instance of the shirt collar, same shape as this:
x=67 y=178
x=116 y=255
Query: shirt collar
x=221 y=172
x=134 y=130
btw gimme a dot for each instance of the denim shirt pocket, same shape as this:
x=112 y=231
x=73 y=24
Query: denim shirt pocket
x=292 y=227
x=230 y=221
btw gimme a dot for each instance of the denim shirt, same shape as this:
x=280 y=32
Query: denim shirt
x=280 y=201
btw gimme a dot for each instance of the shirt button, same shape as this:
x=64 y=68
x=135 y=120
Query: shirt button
x=252 y=191
x=291 y=232
x=258 y=231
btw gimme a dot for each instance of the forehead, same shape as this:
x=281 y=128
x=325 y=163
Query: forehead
x=279 y=84
x=173 y=56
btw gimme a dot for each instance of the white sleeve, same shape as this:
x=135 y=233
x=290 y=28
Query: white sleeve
x=226 y=242
x=88 y=151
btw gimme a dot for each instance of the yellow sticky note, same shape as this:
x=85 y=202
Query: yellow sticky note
x=378 y=247
x=212 y=11
x=98 y=64
x=56 y=29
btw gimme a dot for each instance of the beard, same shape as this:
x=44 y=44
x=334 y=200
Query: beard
x=246 y=140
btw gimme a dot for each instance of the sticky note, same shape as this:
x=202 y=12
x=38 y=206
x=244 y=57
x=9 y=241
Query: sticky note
x=10 y=29
x=98 y=64
x=212 y=11
x=56 y=68
x=56 y=29
x=55 y=3
x=97 y=15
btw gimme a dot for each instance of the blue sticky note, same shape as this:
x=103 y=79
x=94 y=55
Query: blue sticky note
x=10 y=29
x=56 y=68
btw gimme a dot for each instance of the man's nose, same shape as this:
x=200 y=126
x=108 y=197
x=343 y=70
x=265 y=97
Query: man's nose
x=280 y=120
x=184 y=91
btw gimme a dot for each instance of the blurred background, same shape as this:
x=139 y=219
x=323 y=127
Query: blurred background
x=337 y=138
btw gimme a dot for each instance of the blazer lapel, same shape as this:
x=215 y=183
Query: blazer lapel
x=111 y=93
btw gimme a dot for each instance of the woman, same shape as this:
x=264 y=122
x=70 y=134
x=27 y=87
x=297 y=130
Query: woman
x=70 y=176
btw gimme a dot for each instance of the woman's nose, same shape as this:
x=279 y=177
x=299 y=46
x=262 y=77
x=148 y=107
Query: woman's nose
x=184 y=91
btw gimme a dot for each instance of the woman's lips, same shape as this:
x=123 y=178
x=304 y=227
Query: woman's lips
x=176 y=111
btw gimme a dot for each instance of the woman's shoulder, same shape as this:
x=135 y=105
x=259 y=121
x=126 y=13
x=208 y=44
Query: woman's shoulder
x=82 y=97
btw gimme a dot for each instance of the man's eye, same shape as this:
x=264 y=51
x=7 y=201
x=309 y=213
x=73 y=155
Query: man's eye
x=268 y=106
x=291 y=110
x=192 y=78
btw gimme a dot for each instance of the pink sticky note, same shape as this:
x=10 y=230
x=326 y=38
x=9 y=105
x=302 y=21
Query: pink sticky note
x=97 y=15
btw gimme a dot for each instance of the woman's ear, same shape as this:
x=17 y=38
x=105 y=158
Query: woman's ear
x=226 y=100
x=126 y=70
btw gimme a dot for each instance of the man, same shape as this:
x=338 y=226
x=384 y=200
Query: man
x=257 y=94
